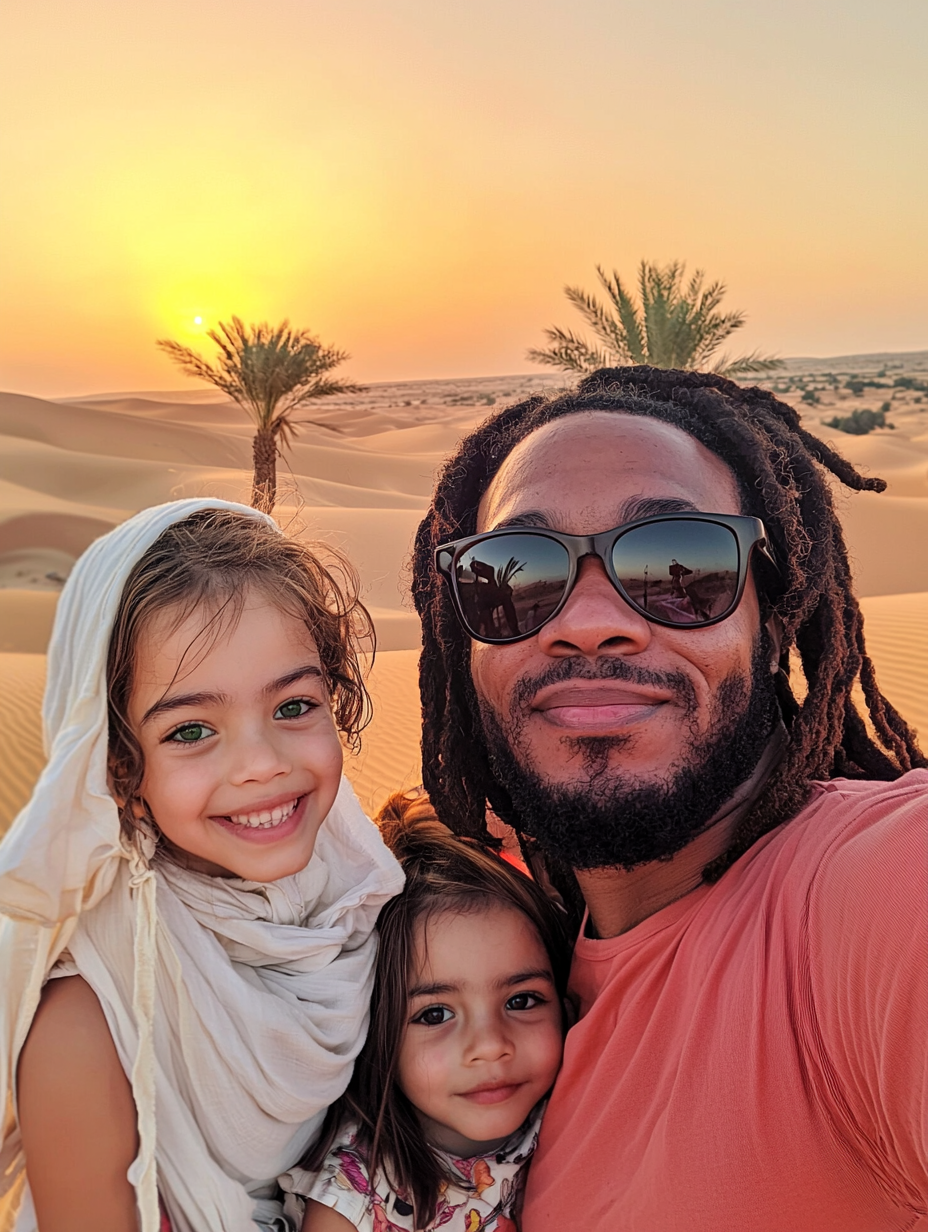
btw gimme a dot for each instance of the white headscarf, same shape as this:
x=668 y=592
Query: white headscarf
x=236 y=1008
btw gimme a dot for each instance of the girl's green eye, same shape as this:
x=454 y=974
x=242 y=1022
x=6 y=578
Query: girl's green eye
x=294 y=709
x=190 y=733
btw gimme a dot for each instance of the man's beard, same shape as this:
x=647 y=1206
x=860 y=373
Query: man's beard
x=608 y=819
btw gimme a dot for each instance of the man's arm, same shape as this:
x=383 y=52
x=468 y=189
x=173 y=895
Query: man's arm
x=868 y=934
x=77 y=1116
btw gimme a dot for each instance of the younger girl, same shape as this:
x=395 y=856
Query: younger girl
x=441 y=1118
x=197 y=877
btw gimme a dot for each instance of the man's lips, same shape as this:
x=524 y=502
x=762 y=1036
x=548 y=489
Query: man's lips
x=598 y=705
x=492 y=1092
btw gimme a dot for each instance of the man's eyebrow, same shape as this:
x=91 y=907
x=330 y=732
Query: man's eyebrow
x=180 y=701
x=532 y=517
x=308 y=671
x=649 y=506
x=526 y=977
x=634 y=509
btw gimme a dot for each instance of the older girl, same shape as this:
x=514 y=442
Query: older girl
x=191 y=892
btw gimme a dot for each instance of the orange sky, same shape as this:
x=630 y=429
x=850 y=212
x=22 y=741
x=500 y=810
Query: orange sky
x=416 y=180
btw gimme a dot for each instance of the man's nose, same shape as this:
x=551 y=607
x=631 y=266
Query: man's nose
x=595 y=619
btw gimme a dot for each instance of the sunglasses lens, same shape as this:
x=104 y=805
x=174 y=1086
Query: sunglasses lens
x=682 y=572
x=508 y=586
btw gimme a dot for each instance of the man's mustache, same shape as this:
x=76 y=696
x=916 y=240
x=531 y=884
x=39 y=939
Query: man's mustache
x=605 y=667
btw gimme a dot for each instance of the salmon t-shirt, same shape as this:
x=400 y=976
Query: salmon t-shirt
x=754 y=1058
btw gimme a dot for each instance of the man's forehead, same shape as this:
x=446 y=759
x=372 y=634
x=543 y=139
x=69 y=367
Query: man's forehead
x=589 y=471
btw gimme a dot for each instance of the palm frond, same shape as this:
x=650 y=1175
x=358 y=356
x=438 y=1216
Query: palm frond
x=675 y=323
x=569 y=353
x=193 y=364
x=628 y=328
x=601 y=321
x=268 y=370
x=747 y=365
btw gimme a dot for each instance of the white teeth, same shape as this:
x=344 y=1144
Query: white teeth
x=267 y=818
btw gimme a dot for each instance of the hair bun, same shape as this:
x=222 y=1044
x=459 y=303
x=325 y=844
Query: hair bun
x=407 y=820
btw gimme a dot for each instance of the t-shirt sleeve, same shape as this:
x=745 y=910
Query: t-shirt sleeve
x=341 y=1183
x=868 y=953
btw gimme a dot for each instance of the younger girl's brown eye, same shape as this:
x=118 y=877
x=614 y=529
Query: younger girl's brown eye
x=434 y=1016
x=524 y=1001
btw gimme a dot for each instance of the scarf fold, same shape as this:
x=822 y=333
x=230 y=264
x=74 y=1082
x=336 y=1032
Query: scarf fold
x=236 y=1009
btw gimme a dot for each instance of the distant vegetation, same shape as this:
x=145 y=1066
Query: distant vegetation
x=271 y=373
x=673 y=324
x=859 y=423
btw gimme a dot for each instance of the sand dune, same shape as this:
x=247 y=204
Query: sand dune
x=358 y=479
x=22 y=679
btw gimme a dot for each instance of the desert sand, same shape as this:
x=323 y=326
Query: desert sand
x=359 y=479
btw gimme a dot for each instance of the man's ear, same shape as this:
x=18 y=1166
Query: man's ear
x=774 y=627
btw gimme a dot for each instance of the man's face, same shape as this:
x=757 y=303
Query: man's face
x=601 y=705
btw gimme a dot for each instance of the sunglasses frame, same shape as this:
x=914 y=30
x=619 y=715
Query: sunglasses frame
x=749 y=534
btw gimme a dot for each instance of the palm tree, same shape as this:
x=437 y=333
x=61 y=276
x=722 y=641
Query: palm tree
x=673 y=325
x=269 y=372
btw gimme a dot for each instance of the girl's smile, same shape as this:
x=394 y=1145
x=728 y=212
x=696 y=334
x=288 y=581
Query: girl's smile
x=267 y=823
x=242 y=758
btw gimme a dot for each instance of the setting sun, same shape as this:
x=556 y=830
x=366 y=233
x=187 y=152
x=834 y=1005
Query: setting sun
x=422 y=196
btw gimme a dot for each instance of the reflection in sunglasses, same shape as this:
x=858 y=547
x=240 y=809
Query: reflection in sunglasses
x=509 y=585
x=487 y=596
x=687 y=595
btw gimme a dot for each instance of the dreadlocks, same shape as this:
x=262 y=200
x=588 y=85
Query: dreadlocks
x=779 y=468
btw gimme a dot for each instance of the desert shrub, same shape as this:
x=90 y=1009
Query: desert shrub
x=859 y=423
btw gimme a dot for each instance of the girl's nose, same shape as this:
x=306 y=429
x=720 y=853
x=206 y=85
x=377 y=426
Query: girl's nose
x=256 y=757
x=489 y=1041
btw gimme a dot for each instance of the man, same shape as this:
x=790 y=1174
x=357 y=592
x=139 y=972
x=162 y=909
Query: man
x=751 y=973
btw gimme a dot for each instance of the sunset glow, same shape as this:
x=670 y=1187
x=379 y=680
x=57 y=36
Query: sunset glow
x=416 y=182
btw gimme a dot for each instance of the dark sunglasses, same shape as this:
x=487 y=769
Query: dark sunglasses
x=677 y=570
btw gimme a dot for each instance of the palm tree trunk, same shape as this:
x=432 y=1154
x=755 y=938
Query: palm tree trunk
x=264 y=485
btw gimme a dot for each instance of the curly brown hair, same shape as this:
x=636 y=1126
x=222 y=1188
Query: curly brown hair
x=211 y=559
x=780 y=470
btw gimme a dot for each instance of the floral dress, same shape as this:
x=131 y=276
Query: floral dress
x=480 y=1195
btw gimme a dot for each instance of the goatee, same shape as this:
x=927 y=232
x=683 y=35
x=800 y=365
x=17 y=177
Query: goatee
x=610 y=819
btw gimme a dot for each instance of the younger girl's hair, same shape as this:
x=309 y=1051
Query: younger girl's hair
x=443 y=873
x=211 y=560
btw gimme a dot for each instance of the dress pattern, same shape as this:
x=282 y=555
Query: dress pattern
x=480 y=1195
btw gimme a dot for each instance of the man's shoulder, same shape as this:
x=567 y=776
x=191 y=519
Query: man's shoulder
x=844 y=811
x=871 y=850
x=873 y=793
x=852 y=834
